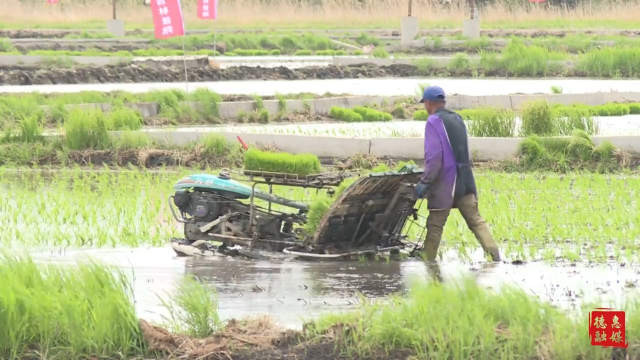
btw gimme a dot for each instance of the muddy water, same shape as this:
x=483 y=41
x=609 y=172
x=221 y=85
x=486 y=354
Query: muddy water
x=379 y=87
x=293 y=291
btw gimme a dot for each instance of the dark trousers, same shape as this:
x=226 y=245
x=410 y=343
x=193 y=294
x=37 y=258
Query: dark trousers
x=468 y=207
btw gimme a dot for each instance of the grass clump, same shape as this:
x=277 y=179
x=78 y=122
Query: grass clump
x=86 y=129
x=299 y=164
x=421 y=115
x=66 y=313
x=124 y=118
x=577 y=152
x=537 y=119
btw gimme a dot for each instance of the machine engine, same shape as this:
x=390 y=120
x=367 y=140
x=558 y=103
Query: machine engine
x=209 y=213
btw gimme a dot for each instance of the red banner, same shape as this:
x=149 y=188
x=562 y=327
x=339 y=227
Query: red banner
x=167 y=18
x=52 y=1
x=208 y=9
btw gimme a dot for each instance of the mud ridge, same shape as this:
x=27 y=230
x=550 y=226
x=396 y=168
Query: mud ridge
x=129 y=73
x=255 y=339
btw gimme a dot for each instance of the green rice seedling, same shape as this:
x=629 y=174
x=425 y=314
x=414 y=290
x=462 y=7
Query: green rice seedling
x=490 y=122
x=537 y=119
x=618 y=109
x=536 y=202
x=421 y=115
x=343 y=114
x=569 y=119
x=299 y=164
x=86 y=129
x=634 y=108
x=556 y=90
x=371 y=115
x=321 y=204
x=230 y=53
x=357 y=52
x=274 y=52
x=124 y=118
x=490 y=324
x=66 y=312
x=303 y=53
x=340 y=53
x=380 y=53
x=193 y=310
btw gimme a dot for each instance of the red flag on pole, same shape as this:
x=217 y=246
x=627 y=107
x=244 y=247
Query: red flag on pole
x=52 y=1
x=167 y=18
x=207 y=9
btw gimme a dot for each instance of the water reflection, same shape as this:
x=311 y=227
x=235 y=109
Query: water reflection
x=292 y=291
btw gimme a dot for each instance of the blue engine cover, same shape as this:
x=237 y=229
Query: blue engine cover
x=215 y=183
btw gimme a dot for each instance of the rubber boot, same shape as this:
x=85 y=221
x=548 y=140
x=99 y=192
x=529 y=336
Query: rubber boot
x=483 y=234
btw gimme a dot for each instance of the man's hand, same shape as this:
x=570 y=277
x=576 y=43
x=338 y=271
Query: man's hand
x=421 y=191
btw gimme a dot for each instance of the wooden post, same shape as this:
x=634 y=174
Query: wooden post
x=409 y=10
x=113 y=2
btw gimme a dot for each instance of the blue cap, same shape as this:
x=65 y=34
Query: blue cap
x=433 y=94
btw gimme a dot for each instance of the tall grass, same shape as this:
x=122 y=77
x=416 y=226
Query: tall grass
x=563 y=154
x=65 y=312
x=254 y=14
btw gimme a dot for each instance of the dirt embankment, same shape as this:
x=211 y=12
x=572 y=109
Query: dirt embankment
x=257 y=339
x=125 y=73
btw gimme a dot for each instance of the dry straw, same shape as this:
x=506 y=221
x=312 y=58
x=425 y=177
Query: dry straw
x=327 y=14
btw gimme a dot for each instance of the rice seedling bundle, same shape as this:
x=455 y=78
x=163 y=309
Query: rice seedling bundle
x=343 y=114
x=371 y=115
x=299 y=164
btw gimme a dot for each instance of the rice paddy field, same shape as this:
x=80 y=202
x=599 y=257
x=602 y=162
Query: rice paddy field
x=568 y=241
x=86 y=267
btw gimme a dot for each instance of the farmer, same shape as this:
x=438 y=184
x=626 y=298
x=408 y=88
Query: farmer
x=447 y=181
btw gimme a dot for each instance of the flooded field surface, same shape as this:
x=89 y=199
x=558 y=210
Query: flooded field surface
x=609 y=125
x=293 y=291
x=564 y=238
x=373 y=87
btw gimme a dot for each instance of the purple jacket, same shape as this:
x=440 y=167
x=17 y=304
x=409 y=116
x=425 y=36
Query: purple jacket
x=440 y=169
